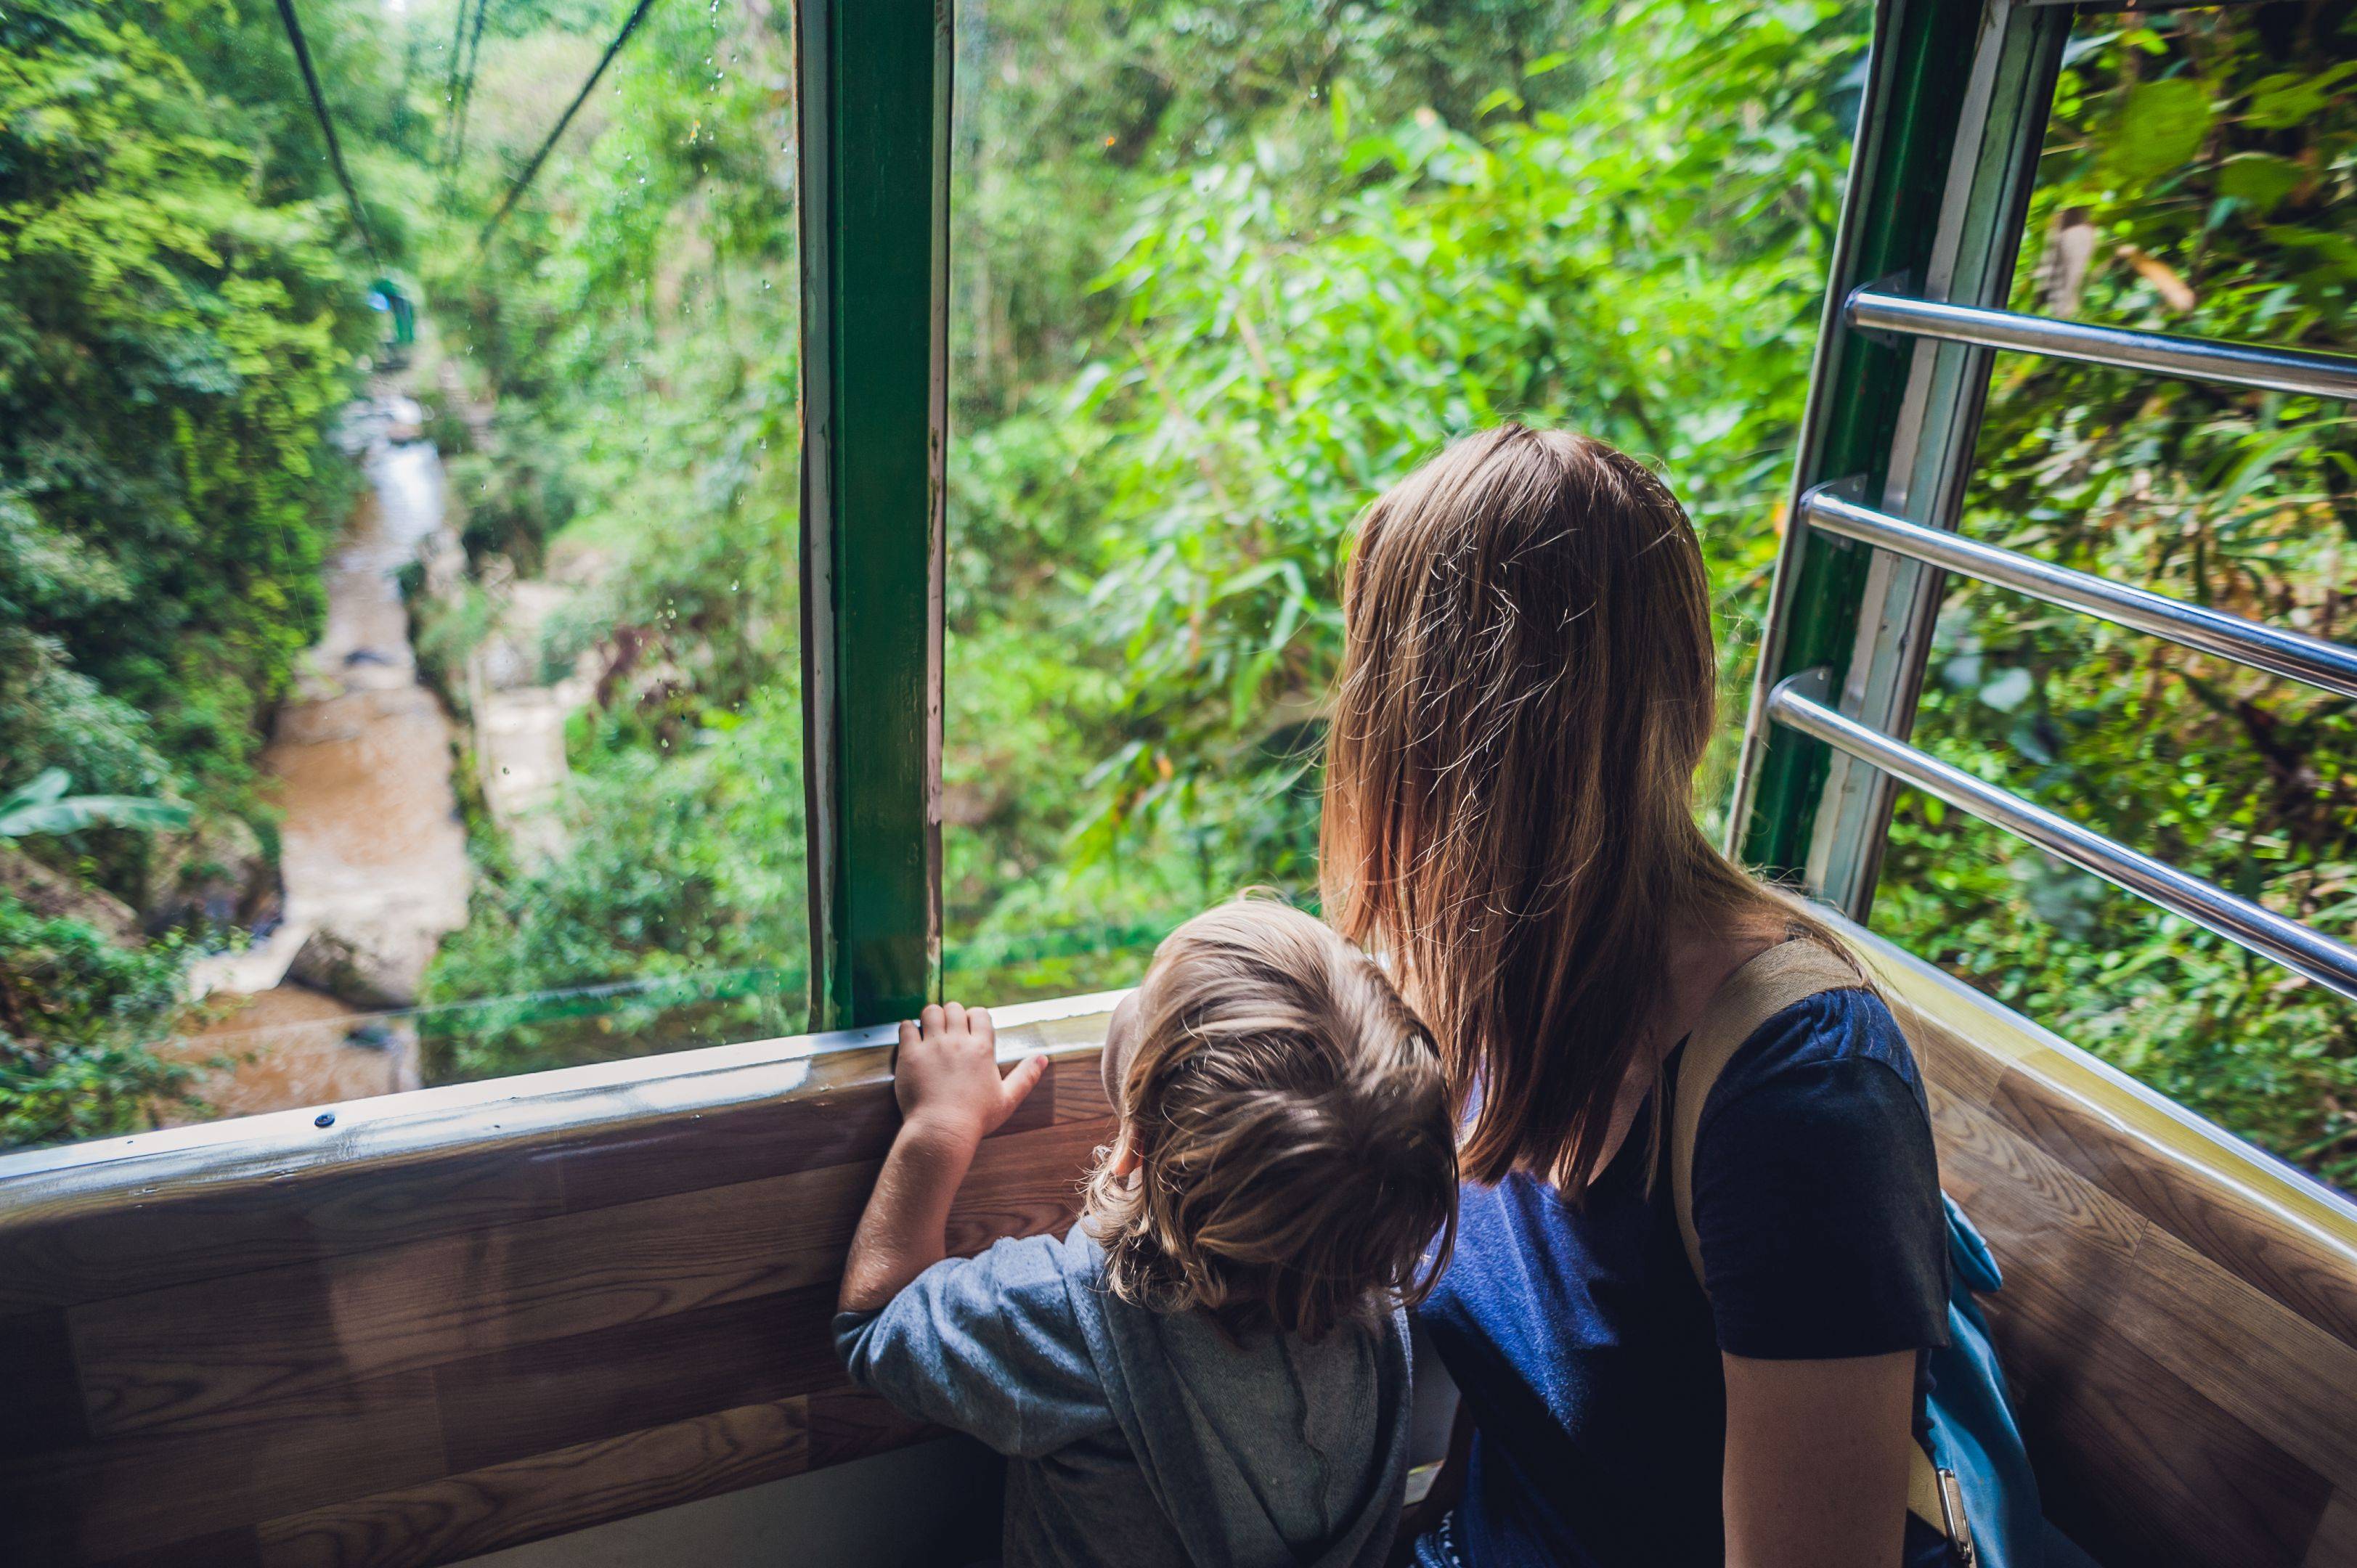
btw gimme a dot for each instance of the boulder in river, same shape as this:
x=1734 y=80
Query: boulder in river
x=371 y=975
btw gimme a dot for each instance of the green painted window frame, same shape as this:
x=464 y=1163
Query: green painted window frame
x=875 y=95
x=874 y=105
x=1957 y=97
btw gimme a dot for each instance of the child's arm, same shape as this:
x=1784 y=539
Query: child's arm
x=946 y=1080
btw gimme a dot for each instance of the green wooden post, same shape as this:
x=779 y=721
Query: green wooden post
x=874 y=160
x=1948 y=135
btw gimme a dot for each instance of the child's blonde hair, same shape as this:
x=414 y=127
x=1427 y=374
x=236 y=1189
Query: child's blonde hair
x=1297 y=1167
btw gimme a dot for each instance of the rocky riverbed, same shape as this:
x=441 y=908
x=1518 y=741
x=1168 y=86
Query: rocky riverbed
x=373 y=862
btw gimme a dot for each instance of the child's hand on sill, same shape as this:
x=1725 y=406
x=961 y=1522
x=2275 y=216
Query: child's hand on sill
x=947 y=1076
x=951 y=1098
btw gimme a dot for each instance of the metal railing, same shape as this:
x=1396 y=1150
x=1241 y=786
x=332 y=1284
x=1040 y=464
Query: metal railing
x=2330 y=963
x=2328 y=665
x=2191 y=358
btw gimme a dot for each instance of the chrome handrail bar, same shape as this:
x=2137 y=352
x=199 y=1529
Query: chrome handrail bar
x=2329 y=665
x=2330 y=963
x=2193 y=358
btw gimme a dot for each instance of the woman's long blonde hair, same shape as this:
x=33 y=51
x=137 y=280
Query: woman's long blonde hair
x=1527 y=688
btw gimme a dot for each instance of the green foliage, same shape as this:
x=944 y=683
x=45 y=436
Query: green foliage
x=1282 y=323
x=170 y=348
x=2212 y=154
x=44 y=807
x=178 y=319
x=634 y=332
x=80 y=1022
x=682 y=868
x=517 y=499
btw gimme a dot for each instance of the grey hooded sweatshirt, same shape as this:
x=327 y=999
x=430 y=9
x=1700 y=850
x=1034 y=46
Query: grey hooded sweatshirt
x=1141 y=1438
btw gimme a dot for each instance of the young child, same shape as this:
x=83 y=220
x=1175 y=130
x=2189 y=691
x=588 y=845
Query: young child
x=1212 y=1367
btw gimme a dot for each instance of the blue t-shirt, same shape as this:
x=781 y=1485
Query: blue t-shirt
x=1588 y=1357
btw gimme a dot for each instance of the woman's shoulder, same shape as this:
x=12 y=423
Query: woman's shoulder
x=1844 y=1034
x=1816 y=1188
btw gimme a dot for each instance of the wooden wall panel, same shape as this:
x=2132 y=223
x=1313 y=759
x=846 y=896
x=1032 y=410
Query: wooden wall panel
x=126 y=1216
x=212 y=1347
x=465 y=1515
x=101 y=1501
x=2180 y=1315
x=464 y=1319
x=43 y=1409
x=461 y=1320
x=2299 y=1265
x=81 y=1252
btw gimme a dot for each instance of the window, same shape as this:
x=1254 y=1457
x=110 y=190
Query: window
x=2195 y=180
x=399 y=674
x=1218 y=277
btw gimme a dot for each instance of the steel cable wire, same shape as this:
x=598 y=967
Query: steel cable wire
x=327 y=126
x=531 y=171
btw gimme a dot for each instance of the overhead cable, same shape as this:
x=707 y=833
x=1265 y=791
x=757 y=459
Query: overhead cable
x=466 y=85
x=450 y=81
x=523 y=181
x=327 y=126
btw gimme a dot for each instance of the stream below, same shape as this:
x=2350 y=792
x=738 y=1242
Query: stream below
x=373 y=850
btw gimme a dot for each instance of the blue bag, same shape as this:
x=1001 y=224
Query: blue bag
x=1974 y=1435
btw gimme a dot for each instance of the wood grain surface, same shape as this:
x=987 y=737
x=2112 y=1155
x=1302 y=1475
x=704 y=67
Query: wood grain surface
x=2179 y=1321
x=460 y=1321
x=464 y=1320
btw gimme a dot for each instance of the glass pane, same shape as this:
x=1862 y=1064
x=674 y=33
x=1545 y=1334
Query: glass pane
x=1218 y=275
x=2197 y=178
x=418 y=607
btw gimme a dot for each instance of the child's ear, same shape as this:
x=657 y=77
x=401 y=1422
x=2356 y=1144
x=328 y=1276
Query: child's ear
x=1124 y=1158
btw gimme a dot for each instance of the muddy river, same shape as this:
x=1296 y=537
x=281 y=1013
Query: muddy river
x=373 y=850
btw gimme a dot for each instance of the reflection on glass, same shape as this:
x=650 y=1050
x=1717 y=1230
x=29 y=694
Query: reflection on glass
x=2197 y=178
x=1218 y=275
x=397 y=611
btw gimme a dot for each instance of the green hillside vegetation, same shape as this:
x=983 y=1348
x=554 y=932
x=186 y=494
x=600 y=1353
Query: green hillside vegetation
x=179 y=313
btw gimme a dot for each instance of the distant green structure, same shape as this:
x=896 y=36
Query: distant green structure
x=401 y=326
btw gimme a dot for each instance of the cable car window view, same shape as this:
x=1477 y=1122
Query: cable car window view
x=584 y=583
x=403 y=524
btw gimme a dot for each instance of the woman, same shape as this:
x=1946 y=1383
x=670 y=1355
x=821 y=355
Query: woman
x=1528 y=689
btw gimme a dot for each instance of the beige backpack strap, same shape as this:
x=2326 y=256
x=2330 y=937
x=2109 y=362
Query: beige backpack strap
x=1788 y=972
